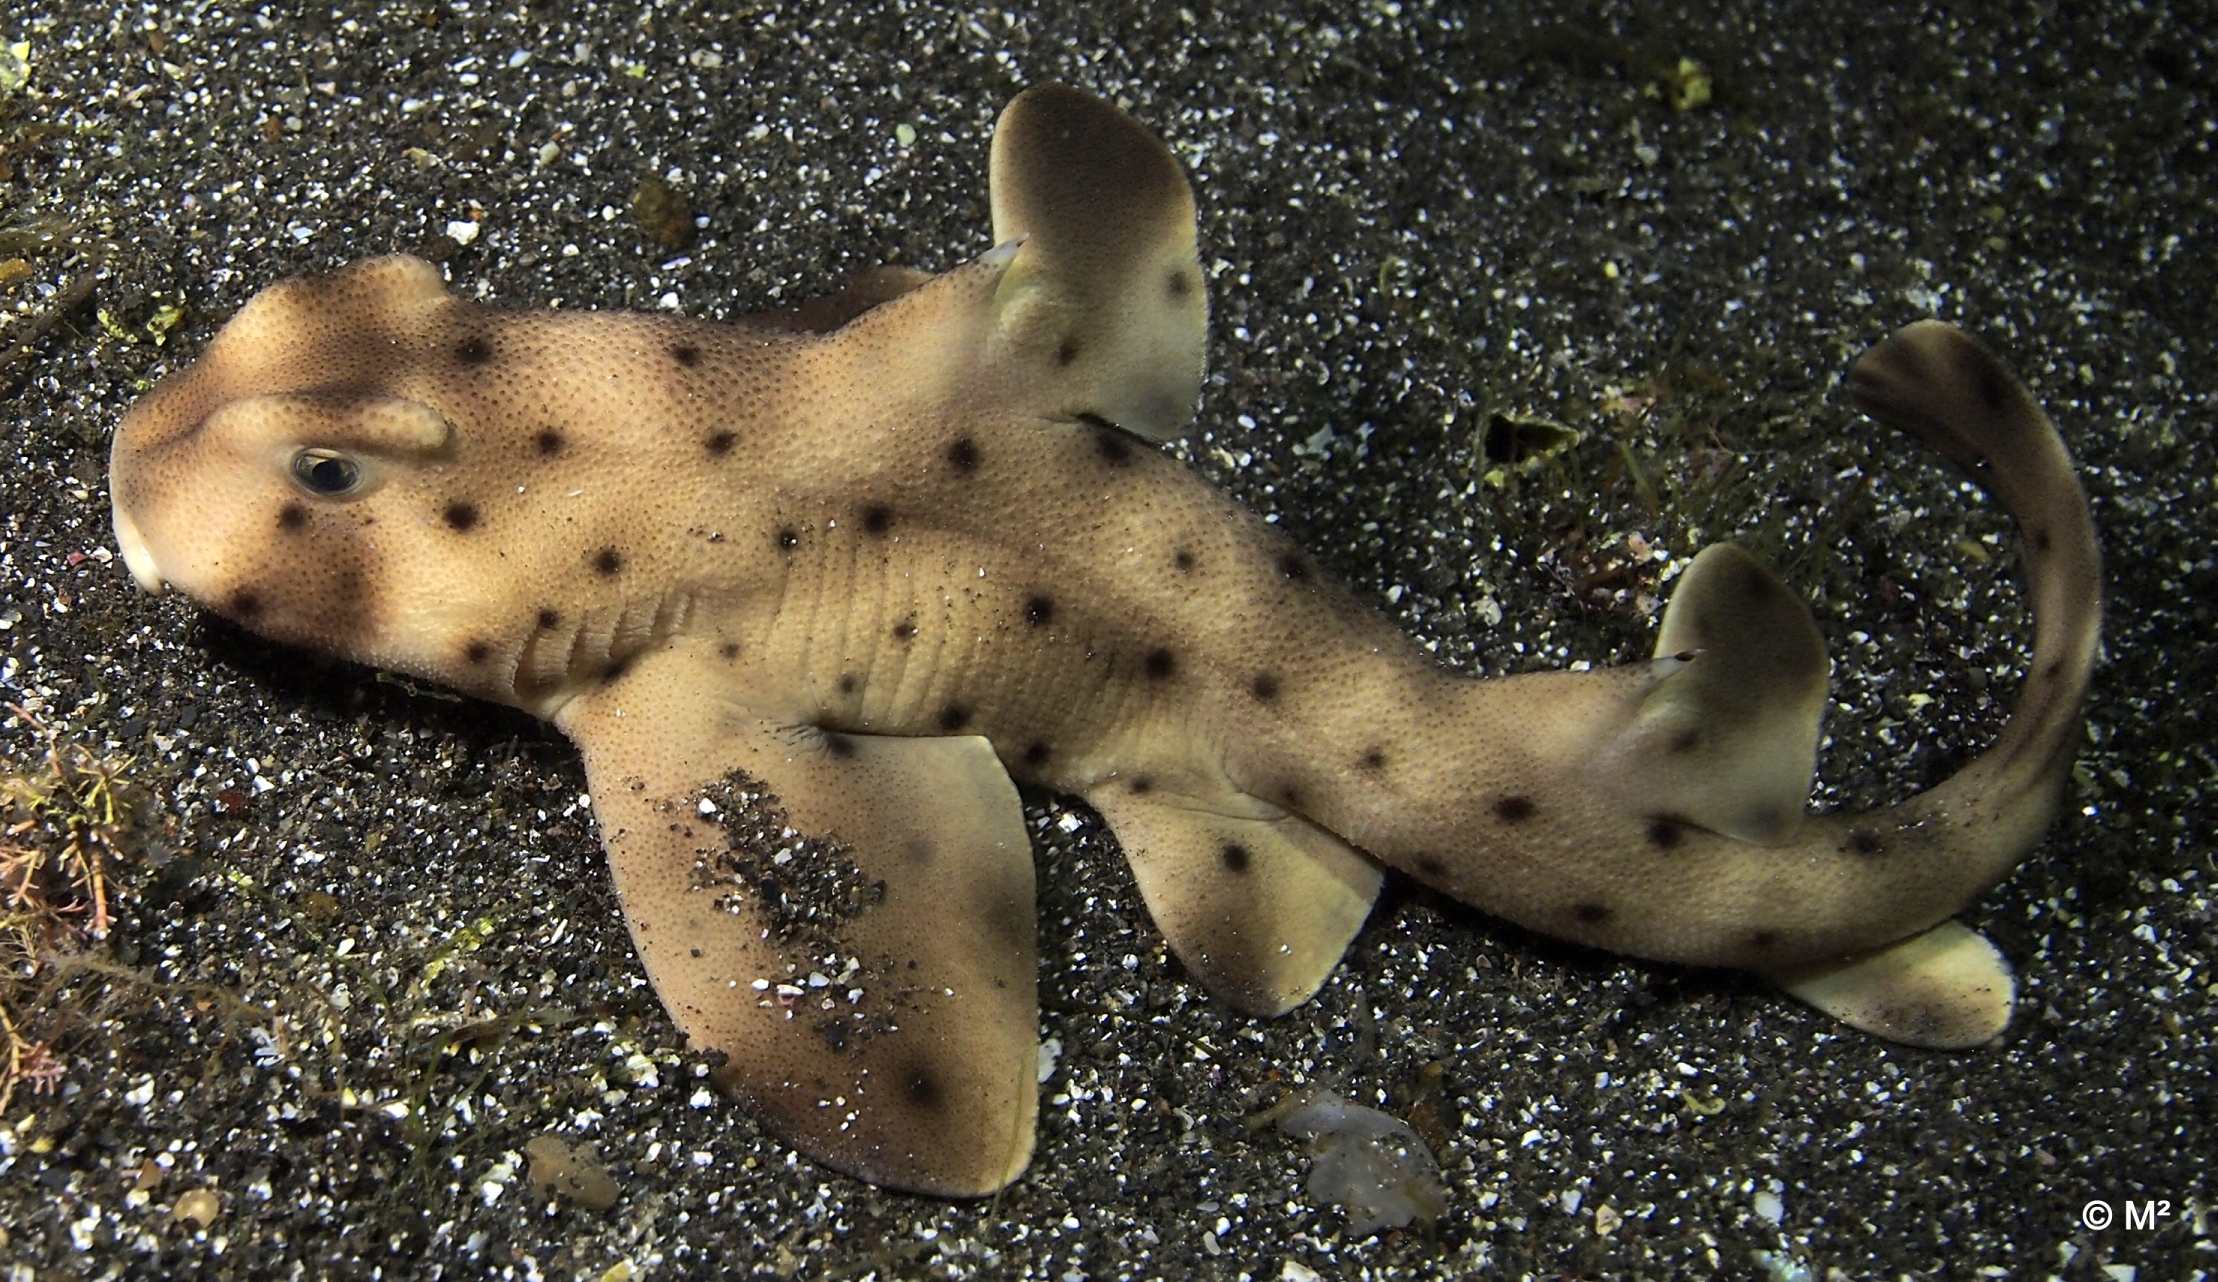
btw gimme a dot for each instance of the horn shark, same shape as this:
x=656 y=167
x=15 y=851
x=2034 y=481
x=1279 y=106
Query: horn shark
x=811 y=592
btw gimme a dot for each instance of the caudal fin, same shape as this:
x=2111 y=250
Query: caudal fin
x=1936 y=383
x=1947 y=986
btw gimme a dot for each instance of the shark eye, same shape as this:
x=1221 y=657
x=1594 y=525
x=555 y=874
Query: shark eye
x=327 y=472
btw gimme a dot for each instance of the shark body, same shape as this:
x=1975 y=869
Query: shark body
x=809 y=595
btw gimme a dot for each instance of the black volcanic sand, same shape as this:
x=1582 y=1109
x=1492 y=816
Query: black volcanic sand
x=1414 y=222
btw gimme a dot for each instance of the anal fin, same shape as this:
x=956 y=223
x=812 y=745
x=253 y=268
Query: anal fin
x=1946 y=989
x=850 y=920
x=1728 y=739
x=1259 y=904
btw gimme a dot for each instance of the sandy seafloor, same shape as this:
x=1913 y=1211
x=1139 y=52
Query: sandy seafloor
x=1414 y=217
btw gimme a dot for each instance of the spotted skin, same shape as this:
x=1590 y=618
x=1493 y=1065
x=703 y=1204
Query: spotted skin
x=866 y=563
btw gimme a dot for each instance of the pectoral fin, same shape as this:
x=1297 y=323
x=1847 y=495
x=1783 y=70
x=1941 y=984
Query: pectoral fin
x=1728 y=739
x=1105 y=298
x=1946 y=989
x=850 y=920
x=1258 y=905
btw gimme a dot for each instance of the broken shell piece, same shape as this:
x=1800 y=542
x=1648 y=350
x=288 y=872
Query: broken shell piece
x=1370 y=1163
x=202 y=1206
x=573 y=1172
x=1521 y=442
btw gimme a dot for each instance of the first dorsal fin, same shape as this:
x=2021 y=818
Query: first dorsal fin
x=1727 y=739
x=1105 y=298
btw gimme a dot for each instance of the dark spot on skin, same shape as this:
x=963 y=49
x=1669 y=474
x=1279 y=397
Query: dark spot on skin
x=920 y=850
x=1663 y=832
x=1008 y=923
x=1039 y=611
x=1142 y=786
x=849 y=682
x=292 y=516
x=686 y=354
x=1591 y=914
x=903 y=630
x=461 y=517
x=1290 y=564
x=1184 y=560
x=549 y=620
x=1234 y=857
x=921 y=1088
x=1373 y=759
x=1290 y=797
x=839 y=745
x=1431 y=867
x=953 y=717
x=1037 y=754
x=720 y=443
x=1686 y=740
x=730 y=649
x=1179 y=286
x=1264 y=687
x=1994 y=387
x=473 y=350
x=1763 y=941
x=245 y=604
x=1110 y=443
x=2054 y=670
x=1864 y=843
x=877 y=519
x=1514 y=810
x=1160 y=664
x=477 y=652
x=1067 y=352
x=550 y=441
x=607 y=562
x=962 y=454
x=2041 y=539
x=788 y=538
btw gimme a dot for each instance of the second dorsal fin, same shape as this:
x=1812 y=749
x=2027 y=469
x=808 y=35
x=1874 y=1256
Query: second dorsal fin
x=1727 y=737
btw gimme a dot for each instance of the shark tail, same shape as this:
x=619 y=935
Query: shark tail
x=1658 y=809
